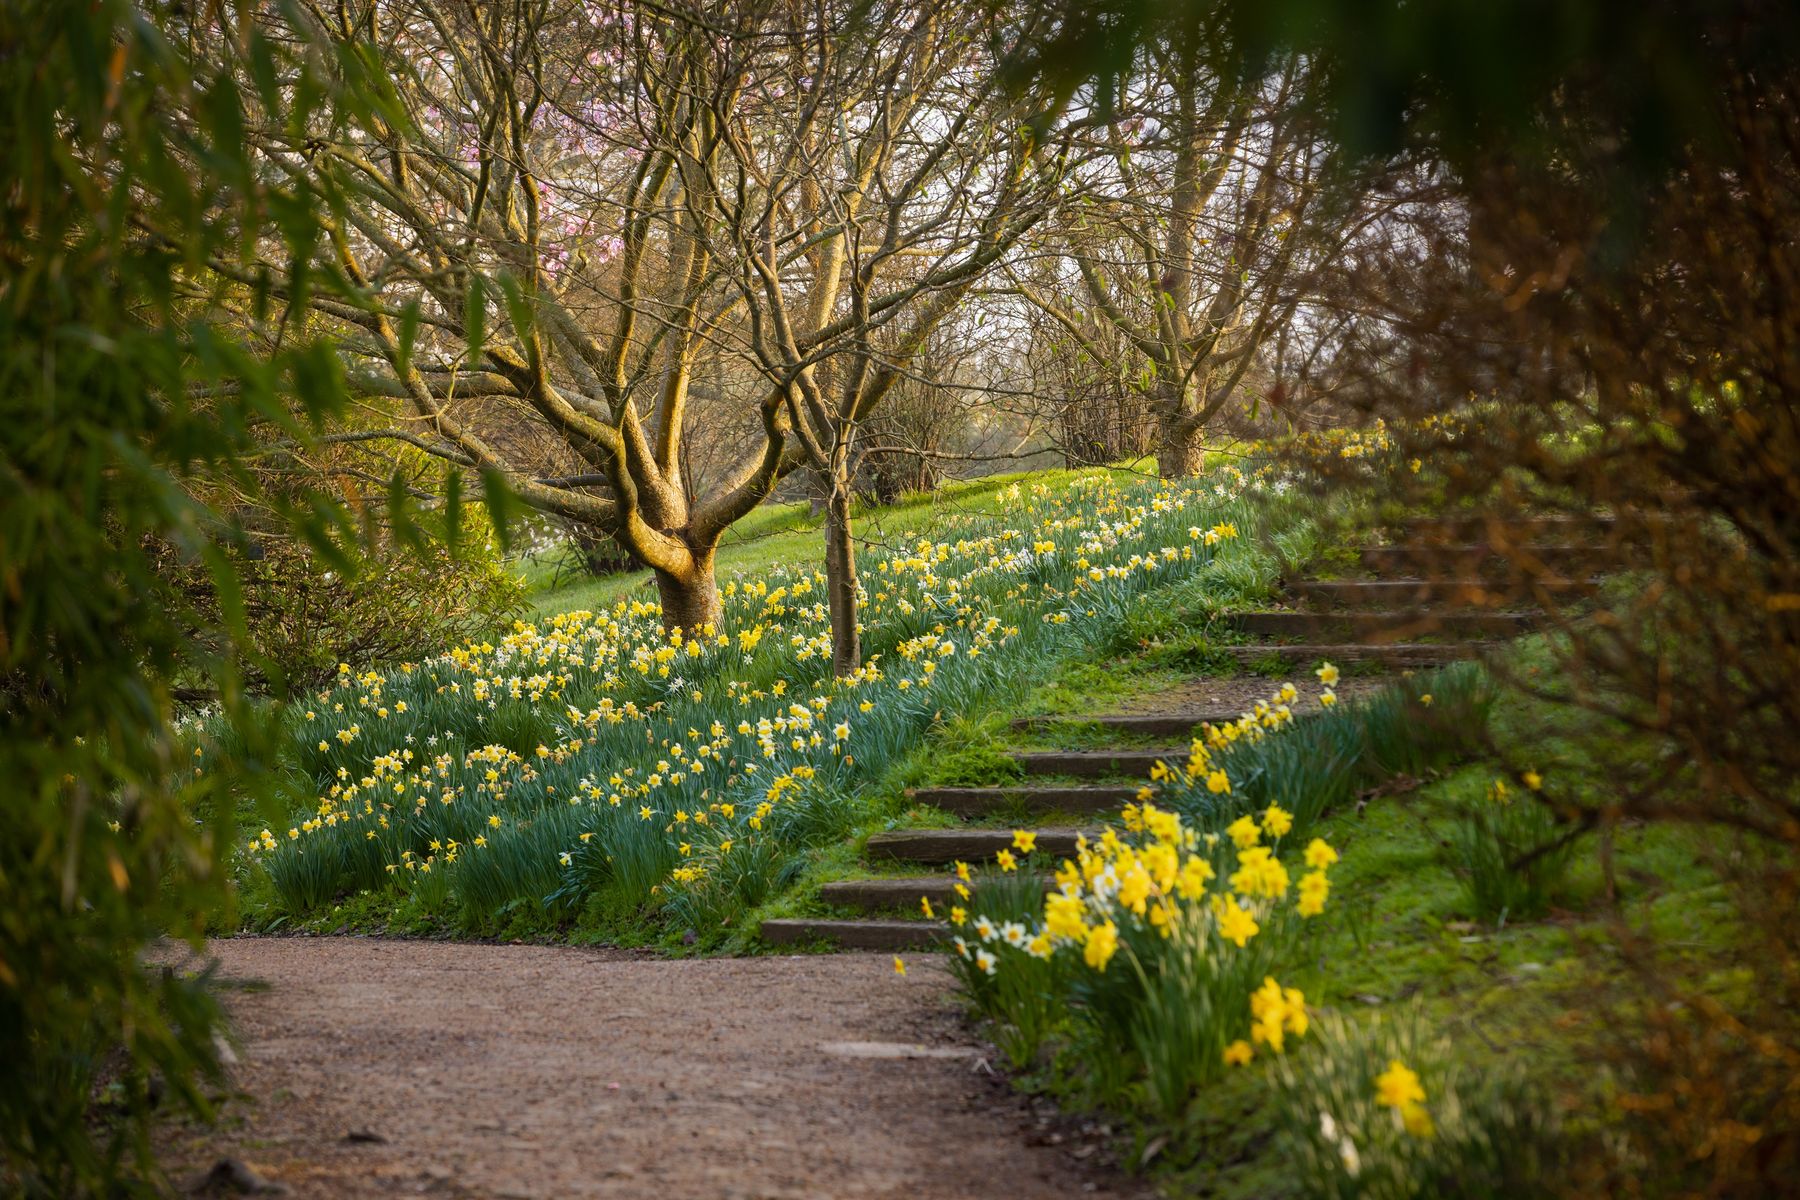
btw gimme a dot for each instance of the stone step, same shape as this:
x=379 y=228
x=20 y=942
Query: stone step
x=1450 y=593
x=941 y=846
x=1478 y=560
x=902 y=894
x=1097 y=764
x=1474 y=527
x=1164 y=724
x=861 y=934
x=988 y=801
x=1384 y=627
x=1398 y=656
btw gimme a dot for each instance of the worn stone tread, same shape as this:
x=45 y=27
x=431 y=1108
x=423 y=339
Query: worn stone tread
x=1473 y=527
x=1454 y=593
x=985 y=801
x=1464 y=560
x=1097 y=764
x=1162 y=724
x=970 y=845
x=1384 y=627
x=1394 y=656
x=905 y=892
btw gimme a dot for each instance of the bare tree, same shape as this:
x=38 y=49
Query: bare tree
x=570 y=208
x=880 y=176
x=1200 y=216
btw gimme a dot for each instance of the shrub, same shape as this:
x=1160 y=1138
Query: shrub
x=306 y=614
x=120 y=397
x=1650 y=382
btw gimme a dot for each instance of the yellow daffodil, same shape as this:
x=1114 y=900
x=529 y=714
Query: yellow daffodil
x=1236 y=924
x=1276 y=821
x=1314 y=887
x=1102 y=943
x=1398 y=1086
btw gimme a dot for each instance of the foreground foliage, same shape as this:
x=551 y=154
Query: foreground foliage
x=1380 y=1110
x=110 y=841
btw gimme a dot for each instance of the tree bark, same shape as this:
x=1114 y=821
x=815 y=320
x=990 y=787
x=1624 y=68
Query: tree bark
x=690 y=599
x=840 y=579
x=1179 y=454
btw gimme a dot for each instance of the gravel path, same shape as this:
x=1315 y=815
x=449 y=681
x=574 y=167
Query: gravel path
x=379 y=1068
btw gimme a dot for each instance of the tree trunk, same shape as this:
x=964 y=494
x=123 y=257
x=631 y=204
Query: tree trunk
x=840 y=579
x=690 y=600
x=1178 y=450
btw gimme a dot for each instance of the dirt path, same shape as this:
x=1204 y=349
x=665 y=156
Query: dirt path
x=525 y=1071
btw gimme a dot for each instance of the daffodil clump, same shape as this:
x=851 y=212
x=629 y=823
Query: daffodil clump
x=1201 y=788
x=1510 y=849
x=1376 y=1109
x=598 y=752
x=1168 y=942
x=1373 y=445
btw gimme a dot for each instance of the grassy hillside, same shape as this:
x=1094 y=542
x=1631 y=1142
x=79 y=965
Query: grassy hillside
x=790 y=535
x=590 y=773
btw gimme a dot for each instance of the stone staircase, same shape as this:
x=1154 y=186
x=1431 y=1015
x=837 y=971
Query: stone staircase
x=1437 y=594
x=1444 y=589
x=879 y=900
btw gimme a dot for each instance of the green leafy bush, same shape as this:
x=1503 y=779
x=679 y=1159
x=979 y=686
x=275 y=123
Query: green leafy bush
x=306 y=614
x=123 y=177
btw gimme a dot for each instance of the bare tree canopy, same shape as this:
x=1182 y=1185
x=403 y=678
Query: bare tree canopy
x=584 y=203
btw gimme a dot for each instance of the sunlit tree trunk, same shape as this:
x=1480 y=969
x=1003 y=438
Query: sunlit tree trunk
x=840 y=575
x=690 y=597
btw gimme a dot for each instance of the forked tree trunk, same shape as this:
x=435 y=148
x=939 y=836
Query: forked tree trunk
x=690 y=600
x=840 y=579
